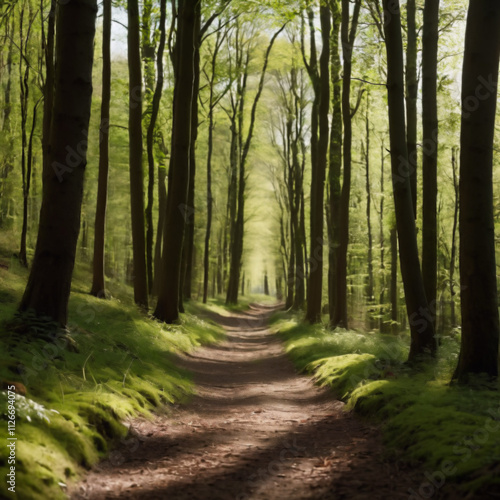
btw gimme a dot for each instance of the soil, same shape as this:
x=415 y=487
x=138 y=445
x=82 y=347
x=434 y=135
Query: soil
x=255 y=430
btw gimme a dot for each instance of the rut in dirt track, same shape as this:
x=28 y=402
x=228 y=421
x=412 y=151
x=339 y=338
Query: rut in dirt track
x=255 y=430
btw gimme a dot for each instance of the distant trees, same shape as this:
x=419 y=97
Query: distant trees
x=240 y=151
x=289 y=140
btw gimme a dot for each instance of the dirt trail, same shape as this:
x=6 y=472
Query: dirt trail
x=255 y=430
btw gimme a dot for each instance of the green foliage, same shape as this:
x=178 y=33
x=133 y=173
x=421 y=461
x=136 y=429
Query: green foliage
x=76 y=401
x=450 y=430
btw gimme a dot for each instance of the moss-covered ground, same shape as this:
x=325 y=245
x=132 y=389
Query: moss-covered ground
x=453 y=432
x=76 y=401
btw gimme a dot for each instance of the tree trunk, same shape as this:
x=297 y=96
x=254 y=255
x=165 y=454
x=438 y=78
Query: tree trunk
x=322 y=98
x=211 y=127
x=49 y=282
x=394 y=282
x=348 y=36
x=381 y=236
x=453 y=252
x=48 y=90
x=411 y=97
x=154 y=270
x=167 y=309
x=423 y=341
x=266 y=284
x=135 y=156
x=148 y=56
x=335 y=160
x=430 y=151
x=98 y=283
x=370 y=288
x=24 y=100
x=480 y=323
x=188 y=255
x=162 y=208
x=206 y=254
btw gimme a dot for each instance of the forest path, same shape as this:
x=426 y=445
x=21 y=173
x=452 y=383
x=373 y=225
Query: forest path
x=255 y=430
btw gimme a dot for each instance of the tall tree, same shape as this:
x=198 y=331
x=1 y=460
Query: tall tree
x=150 y=135
x=148 y=57
x=49 y=282
x=7 y=158
x=135 y=156
x=167 y=308
x=335 y=159
x=423 y=341
x=98 y=282
x=411 y=96
x=366 y=148
x=188 y=248
x=430 y=38
x=321 y=84
x=348 y=36
x=25 y=32
x=212 y=102
x=480 y=322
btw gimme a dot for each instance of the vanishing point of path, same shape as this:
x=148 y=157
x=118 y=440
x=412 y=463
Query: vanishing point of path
x=255 y=430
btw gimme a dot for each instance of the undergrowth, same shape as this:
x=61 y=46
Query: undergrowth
x=453 y=432
x=71 y=403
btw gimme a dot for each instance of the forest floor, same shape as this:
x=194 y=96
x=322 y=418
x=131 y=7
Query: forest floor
x=255 y=430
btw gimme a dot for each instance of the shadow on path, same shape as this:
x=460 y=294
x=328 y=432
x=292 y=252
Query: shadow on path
x=254 y=430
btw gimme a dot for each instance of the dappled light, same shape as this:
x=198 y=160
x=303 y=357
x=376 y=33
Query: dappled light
x=249 y=249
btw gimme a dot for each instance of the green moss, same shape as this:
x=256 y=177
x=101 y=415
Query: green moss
x=76 y=401
x=422 y=416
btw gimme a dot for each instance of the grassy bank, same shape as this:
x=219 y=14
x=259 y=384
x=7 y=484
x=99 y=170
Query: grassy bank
x=70 y=405
x=453 y=432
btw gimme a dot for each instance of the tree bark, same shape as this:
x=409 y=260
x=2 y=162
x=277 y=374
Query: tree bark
x=167 y=308
x=423 y=341
x=370 y=287
x=211 y=127
x=148 y=57
x=480 y=322
x=7 y=160
x=98 y=282
x=453 y=252
x=49 y=282
x=322 y=97
x=135 y=156
x=335 y=160
x=430 y=151
x=394 y=282
x=154 y=270
x=411 y=97
x=188 y=250
x=348 y=37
